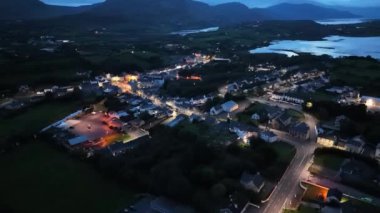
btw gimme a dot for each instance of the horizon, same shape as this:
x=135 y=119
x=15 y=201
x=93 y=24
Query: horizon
x=249 y=3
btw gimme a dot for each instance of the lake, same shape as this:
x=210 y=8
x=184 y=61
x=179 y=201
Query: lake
x=335 y=46
x=341 y=21
x=187 y=32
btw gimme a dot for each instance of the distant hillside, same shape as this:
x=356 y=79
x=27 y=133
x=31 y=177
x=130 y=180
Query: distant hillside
x=365 y=12
x=161 y=13
x=304 y=12
x=189 y=11
x=34 y=9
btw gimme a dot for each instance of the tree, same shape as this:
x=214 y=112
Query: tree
x=218 y=190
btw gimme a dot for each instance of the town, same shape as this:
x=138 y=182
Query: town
x=133 y=105
x=115 y=117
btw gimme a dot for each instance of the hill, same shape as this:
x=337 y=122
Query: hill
x=304 y=12
x=34 y=9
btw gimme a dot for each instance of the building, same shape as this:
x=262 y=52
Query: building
x=216 y=110
x=282 y=122
x=371 y=102
x=252 y=182
x=355 y=144
x=273 y=112
x=77 y=140
x=244 y=132
x=230 y=106
x=300 y=130
x=255 y=117
x=327 y=140
x=177 y=120
x=268 y=136
x=231 y=88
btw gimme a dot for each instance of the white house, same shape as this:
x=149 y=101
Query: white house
x=216 y=110
x=230 y=106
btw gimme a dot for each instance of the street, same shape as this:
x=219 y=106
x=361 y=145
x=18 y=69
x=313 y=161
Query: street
x=288 y=184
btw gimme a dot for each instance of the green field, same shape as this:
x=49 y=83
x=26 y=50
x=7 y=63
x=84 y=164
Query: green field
x=38 y=178
x=329 y=161
x=36 y=118
x=284 y=151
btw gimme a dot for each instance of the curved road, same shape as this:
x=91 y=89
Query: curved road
x=289 y=183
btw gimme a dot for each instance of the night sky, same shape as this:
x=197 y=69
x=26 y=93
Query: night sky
x=252 y=3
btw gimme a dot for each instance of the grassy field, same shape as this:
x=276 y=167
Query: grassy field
x=284 y=151
x=38 y=178
x=36 y=118
x=329 y=161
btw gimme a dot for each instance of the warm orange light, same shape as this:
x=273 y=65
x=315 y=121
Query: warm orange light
x=131 y=77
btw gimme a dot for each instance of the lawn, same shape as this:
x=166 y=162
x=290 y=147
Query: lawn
x=284 y=151
x=38 y=178
x=36 y=118
x=295 y=114
x=329 y=161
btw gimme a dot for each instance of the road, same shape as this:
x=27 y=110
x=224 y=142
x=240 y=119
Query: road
x=289 y=183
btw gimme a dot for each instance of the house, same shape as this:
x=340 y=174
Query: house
x=355 y=144
x=268 y=136
x=244 y=132
x=273 y=112
x=177 y=120
x=195 y=118
x=216 y=110
x=77 y=140
x=334 y=195
x=230 y=106
x=300 y=130
x=118 y=148
x=252 y=182
x=255 y=117
x=282 y=122
x=327 y=140
x=231 y=88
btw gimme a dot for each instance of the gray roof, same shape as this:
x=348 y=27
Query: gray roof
x=247 y=178
x=229 y=104
x=77 y=140
x=356 y=141
x=284 y=118
x=301 y=128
